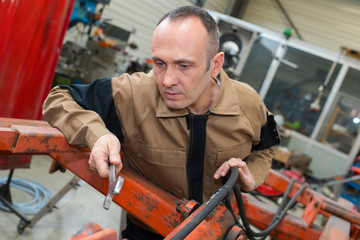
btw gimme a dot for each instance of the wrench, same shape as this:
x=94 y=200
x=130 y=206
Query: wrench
x=115 y=186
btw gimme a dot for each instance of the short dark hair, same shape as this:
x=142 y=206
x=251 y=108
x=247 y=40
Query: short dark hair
x=211 y=26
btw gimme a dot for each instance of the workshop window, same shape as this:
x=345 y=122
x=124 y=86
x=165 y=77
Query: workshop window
x=295 y=88
x=342 y=124
x=258 y=62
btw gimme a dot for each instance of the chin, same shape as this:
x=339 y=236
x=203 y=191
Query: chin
x=175 y=105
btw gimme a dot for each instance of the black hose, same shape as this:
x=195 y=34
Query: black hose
x=228 y=206
x=276 y=220
x=210 y=205
x=282 y=204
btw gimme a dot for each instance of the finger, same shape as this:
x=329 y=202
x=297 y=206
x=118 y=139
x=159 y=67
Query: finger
x=222 y=170
x=225 y=170
x=238 y=163
x=114 y=156
x=100 y=162
x=218 y=171
x=103 y=169
x=118 y=168
x=92 y=165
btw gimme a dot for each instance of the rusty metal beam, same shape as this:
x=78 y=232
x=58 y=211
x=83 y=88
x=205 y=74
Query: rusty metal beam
x=147 y=202
x=162 y=211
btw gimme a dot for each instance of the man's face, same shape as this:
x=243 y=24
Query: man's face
x=179 y=51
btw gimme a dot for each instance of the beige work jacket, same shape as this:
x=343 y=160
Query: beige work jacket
x=156 y=138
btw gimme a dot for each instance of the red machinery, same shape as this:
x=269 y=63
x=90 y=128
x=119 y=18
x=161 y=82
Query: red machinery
x=165 y=213
x=31 y=36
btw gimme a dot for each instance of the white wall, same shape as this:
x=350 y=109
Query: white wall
x=329 y=24
x=141 y=17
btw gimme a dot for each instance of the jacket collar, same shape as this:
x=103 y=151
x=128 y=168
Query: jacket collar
x=227 y=102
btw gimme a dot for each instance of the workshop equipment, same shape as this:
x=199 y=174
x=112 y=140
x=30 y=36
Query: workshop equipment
x=31 y=33
x=115 y=185
x=164 y=212
x=94 y=231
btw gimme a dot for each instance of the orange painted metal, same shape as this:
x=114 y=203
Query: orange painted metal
x=280 y=182
x=293 y=227
x=207 y=229
x=106 y=234
x=260 y=215
x=93 y=231
x=150 y=204
x=165 y=213
x=236 y=233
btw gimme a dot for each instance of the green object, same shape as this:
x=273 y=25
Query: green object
x=288 y=32
x=293 y=125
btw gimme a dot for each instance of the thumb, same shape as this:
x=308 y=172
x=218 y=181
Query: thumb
x=114 y=154
x=114 y=158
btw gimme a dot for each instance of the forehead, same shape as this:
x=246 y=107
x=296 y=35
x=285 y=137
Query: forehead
x=180 y=36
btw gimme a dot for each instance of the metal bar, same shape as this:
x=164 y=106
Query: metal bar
x=158 y=208
x=49 y=206
x=261 y=214
x=337 y=228
x=7 y=138
x=279 y=183
x=288 y=18
x=14 y=210
x=138 y=197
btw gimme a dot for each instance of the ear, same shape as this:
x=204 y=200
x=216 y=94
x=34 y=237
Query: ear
x=216 y=64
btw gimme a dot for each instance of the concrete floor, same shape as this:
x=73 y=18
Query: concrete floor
x=80 y=207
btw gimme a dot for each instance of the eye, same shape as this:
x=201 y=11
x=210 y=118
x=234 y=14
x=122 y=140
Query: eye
x=159 y=64
x=184 y=66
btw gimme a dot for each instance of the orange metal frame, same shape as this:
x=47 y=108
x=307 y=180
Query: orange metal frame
x=165 y=213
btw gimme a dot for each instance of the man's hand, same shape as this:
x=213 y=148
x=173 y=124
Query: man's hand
x=105 y=149
x=245 y=179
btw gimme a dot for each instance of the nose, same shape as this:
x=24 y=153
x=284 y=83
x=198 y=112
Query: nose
x=170 y=78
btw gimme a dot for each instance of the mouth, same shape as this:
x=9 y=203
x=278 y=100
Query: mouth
x=172 y=95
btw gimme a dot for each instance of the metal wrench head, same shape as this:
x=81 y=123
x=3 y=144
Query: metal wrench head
x=115 y=186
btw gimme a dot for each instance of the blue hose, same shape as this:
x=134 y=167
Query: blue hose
x=40 y=193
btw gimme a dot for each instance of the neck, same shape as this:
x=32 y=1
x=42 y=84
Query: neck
x=212 y=95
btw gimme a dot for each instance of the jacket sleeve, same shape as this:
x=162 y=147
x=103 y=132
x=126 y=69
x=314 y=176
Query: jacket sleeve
x=259 y=163
x=83 y=113
x=260 y=158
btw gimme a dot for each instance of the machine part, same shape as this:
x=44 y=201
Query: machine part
x=231 y=45
x=73 y=62
x=315 y=106
x=115 y=185
x=236 y=233
x=86 y=230
x=157 y=208
x=23 y=219
x=93 y=231
x=50 y=204
x=287 y=63
x=236 y=42
x=44 y=202
x=279 y=215
x=187 y=226
x=185 y=207
x=28 y=65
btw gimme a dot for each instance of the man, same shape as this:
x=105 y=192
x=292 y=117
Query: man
x=182 y=126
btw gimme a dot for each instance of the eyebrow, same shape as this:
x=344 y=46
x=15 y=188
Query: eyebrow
x=155 y=58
